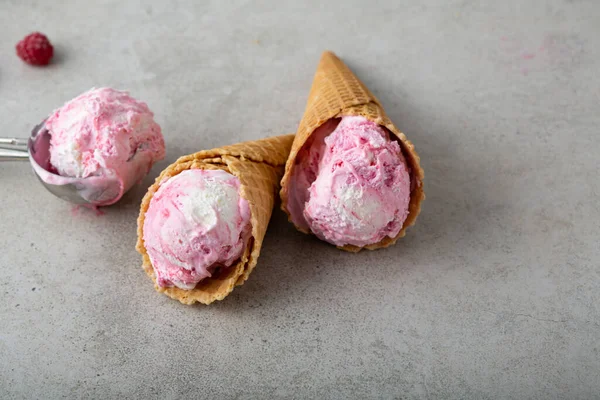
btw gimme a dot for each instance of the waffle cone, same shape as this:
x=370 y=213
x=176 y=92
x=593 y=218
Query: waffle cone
x=259 y=167
x=337 y=92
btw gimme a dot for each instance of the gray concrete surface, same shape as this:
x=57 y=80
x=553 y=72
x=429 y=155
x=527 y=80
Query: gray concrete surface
x=493 y=294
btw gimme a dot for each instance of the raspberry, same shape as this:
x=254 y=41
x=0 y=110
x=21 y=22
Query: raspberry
x=35 y=49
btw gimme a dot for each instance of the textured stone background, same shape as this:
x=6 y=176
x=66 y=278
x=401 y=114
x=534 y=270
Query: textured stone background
x=493 y=294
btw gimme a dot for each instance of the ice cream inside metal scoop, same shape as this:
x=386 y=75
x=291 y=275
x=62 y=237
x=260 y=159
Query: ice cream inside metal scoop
x=36 y=149
x=96 y=147
x=93 y=149
x=93 y=190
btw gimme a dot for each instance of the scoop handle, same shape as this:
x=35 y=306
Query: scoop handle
x=13 y=149
x=13 y=155
x=13 y=142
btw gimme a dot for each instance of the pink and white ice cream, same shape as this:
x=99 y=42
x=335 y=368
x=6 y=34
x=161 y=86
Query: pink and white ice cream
x=196 y=221
x=350 y=183
x=106 y=135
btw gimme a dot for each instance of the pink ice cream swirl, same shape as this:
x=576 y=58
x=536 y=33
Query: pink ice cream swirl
x=105 y=134
x=350 y=183
x=196 y=221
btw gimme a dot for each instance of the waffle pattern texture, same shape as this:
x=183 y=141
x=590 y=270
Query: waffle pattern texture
x=337 y=92
x=259 y=166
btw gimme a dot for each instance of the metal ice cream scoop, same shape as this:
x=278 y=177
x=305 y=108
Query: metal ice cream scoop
x=94 y=190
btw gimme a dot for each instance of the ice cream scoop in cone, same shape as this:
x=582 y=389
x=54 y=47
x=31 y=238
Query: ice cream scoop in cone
x=337 y=93
x=258 y=165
